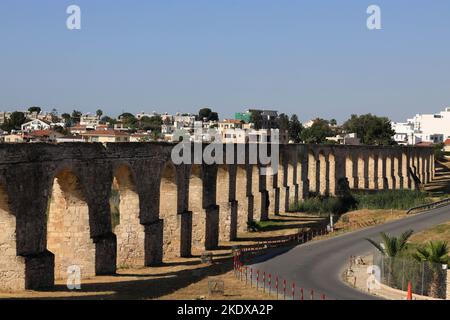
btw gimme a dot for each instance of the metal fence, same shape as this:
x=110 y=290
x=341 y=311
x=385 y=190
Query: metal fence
x=427 y=279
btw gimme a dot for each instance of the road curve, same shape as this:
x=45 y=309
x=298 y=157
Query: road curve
x=319 y=264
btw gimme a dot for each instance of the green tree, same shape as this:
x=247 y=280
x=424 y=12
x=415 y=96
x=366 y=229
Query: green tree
x=207 y=114
x=333 y=122
x=34 y=109
x=14 y=122
x=436 y=253
x=99 y=113
x=67 y=119
x=107 y=119
x=76 y=116
x=295 y=129
x=129 y=120
x=392 y=246
x=372 y=130
x=256 y=119
x=282 y=122
x=151 y=123
x=317 y=133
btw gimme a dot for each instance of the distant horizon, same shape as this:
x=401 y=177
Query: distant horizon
x=316 y=59
x=106 y=113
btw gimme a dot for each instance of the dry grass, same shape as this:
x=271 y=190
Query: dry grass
x=440 y=232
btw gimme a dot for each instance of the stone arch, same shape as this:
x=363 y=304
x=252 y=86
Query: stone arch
x=168 y=212
x=12 y=266
x=241 y=197
x=68 y=227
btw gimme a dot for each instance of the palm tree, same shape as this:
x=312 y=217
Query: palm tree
x=436 y=254
x=391 y=245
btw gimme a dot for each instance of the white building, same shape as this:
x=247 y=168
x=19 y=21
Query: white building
x=139 y=116
x=433 y=128
x=34 y=125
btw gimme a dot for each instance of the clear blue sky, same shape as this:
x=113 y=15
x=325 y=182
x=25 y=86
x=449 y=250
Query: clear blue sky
x=315 y=58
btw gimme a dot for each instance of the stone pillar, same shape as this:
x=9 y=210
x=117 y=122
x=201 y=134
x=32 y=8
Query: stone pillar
x=332 y=181
x=226 y=193
x=185 y=223
x=242 y=191
x=372 y=171
x=360 y=172
x=283 y=186
x=323 y=174
x=398 y=171
x=340 y=168
x=407 y=183
x=257 y=194
x=350 y=170
x=390 y=171
x=271 y=186
x=423 y=167
x=154 y=243
x=448 y=285
x=432 y=162
x=302 y=175
x=312 y=172
x=426 y=160
x=212 y=227
x=382 y=177
x=292 y=181
x=105 y=253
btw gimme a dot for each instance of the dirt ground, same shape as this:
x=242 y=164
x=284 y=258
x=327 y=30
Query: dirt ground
x=188 y=278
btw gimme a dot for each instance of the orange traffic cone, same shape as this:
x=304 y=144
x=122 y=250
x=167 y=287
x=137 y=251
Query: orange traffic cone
x=409 y=297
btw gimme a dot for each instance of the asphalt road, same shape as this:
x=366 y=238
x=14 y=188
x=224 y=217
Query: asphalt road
x=319 y=265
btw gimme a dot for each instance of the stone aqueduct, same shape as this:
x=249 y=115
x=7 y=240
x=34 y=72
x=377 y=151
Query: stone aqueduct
x=55 y=210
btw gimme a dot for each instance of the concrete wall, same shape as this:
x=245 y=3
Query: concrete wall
x=55 y=200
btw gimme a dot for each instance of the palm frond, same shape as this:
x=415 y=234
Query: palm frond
x=403 y=239
x=377 y=245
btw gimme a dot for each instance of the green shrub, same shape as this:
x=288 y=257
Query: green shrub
x=324 y=205
x=391 y=199
x=383 y=199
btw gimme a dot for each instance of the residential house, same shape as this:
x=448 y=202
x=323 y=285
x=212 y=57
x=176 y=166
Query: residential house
x=105 y=136
x=44 y=136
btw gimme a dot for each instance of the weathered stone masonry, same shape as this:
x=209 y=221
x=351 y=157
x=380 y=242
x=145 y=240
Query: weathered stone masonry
x=55 y=210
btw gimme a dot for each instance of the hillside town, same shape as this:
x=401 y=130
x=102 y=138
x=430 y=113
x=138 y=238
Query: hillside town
x=35 y=125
